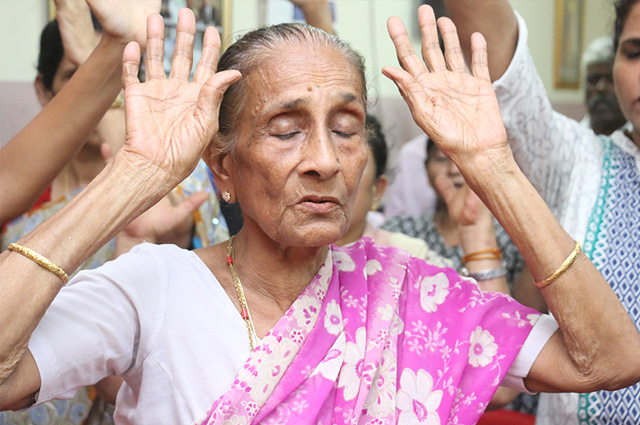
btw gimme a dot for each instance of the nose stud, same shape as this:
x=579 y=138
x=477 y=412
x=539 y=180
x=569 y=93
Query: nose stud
x=337 y=159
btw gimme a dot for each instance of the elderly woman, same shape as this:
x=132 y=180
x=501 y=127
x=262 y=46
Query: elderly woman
x=590 y=182
x=278 y=326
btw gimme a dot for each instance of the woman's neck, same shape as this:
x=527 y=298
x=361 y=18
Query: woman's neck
x=271 y=275
x=275 y=272
x=355 y=232
x=83 y=168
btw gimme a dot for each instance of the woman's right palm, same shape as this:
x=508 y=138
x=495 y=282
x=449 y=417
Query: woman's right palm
x=170 y=121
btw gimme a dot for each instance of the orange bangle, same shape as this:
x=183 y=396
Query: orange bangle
x=485 y=254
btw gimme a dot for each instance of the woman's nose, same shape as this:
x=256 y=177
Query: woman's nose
x=320 y=156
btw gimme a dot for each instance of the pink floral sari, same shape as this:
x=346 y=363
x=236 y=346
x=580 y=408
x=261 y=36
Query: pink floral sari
x=378 y=337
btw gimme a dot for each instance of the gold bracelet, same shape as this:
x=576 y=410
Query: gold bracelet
x=563 y=267
x=40 y=260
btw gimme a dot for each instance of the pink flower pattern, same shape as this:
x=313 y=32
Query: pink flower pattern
x=402 y=353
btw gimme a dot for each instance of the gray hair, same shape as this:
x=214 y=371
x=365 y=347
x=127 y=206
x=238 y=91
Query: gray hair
x=598 y=51
x=250 y=51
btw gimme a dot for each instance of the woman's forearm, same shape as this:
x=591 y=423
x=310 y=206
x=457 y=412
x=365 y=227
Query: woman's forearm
x=495 y=20
x=41 y=149
x=115 y=197
x=596 y=332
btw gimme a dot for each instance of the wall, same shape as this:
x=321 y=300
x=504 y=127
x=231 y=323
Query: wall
x=21 y=22
x=361 y=22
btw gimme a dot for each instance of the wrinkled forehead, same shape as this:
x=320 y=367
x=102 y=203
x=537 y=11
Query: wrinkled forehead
x=293 y=65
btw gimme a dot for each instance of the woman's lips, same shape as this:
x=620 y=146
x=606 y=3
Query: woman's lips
x=319 y=204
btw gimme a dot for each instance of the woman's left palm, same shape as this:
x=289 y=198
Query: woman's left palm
x=458 y=111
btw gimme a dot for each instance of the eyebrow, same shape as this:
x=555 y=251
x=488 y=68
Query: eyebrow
x=633 y=41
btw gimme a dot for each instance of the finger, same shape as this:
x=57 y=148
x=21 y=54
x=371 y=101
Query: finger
x=479 y=58
x=106 y=152
x=130 y=64
x=452 y=50
x=407 y=57
x=182 y=59
x=210 y=55
x=154 y=58
x=187 y=207
x=421 y=110
x=209 y=100
x=431 y=51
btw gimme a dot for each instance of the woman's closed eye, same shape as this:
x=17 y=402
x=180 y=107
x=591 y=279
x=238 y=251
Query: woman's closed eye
x=346 y=135
x=287 y=136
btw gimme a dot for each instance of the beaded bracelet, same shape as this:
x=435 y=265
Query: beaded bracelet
x=40 y=260
x=563 y=267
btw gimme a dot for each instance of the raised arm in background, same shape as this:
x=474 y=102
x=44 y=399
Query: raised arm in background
x=495 y=20
x=316 y=13
x=34 y=156
x=165 y=140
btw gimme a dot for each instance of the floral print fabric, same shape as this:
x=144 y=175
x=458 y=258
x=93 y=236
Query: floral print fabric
x=376 y=338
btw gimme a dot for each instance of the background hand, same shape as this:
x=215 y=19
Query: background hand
x=162 y=223
x=463 y=205
x=170 y=121
x=124 y=20
x=457 y=110
x=76 y=28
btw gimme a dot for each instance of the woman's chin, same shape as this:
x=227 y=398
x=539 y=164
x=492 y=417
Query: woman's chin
x=315 y=235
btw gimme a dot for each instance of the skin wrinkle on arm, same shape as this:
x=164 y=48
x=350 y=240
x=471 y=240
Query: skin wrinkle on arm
x=160 y=152
x=596 y=335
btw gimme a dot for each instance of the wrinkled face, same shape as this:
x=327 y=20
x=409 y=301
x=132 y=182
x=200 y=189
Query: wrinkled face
x=601 y=101
x=438 y=163
x=301 y=146
x=626 y=70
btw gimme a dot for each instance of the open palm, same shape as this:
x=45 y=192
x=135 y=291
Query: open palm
x=459 y=111
x=170 y=121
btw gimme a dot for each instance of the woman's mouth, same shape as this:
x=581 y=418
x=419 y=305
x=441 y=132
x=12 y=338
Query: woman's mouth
x=319 y=204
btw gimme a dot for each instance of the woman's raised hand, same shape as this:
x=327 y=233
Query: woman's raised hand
x=124 y=20
x=76 y=29
x=458 y=110
x=170 y=121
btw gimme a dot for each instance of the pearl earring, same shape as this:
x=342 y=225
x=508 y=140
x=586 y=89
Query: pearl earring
x=226 y=196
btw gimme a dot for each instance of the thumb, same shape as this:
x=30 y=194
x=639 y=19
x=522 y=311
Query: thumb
x=107 y=152
x=210 y=98
x=190 y=204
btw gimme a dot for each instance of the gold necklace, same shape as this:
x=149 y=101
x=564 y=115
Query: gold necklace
x=240 y=290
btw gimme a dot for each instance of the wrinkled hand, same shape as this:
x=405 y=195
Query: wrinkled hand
x=76 y=29
x=170 y=121
x=463 y=205
x=457 y=110
x=124 y=20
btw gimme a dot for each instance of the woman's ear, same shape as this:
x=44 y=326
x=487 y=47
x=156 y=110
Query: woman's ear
x=221 y=167
x=44 y=95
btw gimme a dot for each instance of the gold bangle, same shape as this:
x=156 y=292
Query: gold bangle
x=40 y=260
x=563 y=267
